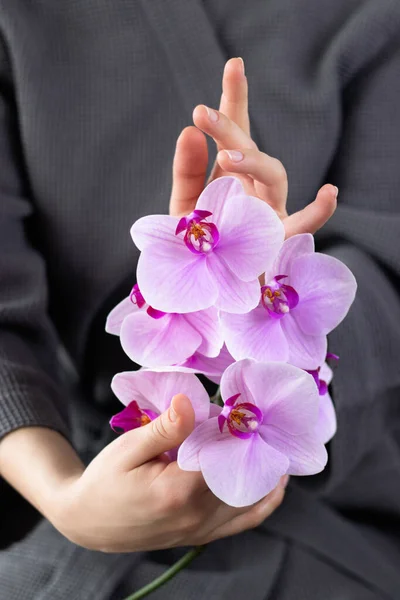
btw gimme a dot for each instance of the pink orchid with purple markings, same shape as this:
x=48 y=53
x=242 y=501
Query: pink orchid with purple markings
x=152 y=338
x=267 y=428
x=212 y=257
x=146 y=394
x=327 y=424
x=305 y=296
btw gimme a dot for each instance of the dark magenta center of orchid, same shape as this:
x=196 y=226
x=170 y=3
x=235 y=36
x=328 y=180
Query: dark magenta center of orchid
x=137 y=298
x=201 y=236
x=242 y=419
x=321 y=384
x=131 y=417
x=278 y=298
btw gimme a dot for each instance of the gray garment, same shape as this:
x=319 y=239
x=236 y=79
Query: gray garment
x=92 y=95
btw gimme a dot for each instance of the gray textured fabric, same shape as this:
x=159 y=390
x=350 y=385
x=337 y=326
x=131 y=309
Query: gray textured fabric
x=92 y=97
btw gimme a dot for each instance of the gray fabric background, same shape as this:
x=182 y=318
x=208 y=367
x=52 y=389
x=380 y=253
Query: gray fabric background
x=93 y=95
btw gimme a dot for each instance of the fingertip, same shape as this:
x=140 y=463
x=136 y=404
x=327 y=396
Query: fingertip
x=181 y=408
x=328 y=194
x=234 y=66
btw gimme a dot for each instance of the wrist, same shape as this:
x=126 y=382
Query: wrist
x=41 y=465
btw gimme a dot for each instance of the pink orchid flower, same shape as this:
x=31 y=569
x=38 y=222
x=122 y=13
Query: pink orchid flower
x=327 y=423
x=153 y=338
x=265 y=430
x=146 y=394
x=212 y=257
x=305 y=296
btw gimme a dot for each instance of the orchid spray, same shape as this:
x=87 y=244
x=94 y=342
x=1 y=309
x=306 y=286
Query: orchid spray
x=220 y=293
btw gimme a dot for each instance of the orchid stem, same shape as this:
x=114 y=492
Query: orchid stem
x=169 y=574
x=217 y=398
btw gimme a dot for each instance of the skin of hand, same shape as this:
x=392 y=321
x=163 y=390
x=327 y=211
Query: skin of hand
x=261 y=175
x=130 y=497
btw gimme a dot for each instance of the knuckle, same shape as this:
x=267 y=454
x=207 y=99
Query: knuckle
x=159 y=430
x=279 y=171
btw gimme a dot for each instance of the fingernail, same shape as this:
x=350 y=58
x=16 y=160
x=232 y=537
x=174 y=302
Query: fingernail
x=336 y=190
x=212 y=115
x=172 y=414
x=242 y=64
x=235 y=155
x=284 y=481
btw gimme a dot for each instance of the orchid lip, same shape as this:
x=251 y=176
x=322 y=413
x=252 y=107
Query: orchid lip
x=278 y=298
x=131 y=417
x=321 y=384
x=243 y=419
x=136 y=296
x=200 y=236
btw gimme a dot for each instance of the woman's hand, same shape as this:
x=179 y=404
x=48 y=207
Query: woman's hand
x=262 y=176
x=131 y=498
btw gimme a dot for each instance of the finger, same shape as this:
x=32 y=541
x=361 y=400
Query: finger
x=268 y=172
x=248 y=520
x=314 y=215
x=234 y=99
x=234 y=102
x=168 y=431
x=189 y=171
x=223 y=130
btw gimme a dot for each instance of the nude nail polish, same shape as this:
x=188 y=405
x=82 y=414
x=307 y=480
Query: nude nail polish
x=212 y=115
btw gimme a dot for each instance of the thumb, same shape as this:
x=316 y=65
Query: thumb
x=166 y=432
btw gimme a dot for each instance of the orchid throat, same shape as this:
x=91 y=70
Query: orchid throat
x=242 y=419
x=278 y=298
x=201 y=236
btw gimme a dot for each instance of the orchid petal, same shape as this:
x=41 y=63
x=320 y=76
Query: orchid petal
x=255 y=335
x=326 y=424
x=286 y=395
x=305 y=351
x=306 y=453
x=118 y=314
x=188 y=453
x=326 y=288
x=210 y=367
x=251 y=235
x=241 y=472
x=157 y=342
x=154 y=390
x=206 y=323
x=326 y=373
x=216 y=194
x=235 y=295
x=172 y=279
x=292 y=248
x=155 y=229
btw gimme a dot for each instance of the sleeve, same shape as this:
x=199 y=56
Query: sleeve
x=365 y=234
x=30 y=389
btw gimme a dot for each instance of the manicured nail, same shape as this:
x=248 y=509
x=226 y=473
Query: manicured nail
x=242 y=64
x=284 y=481
x=337 y=191
x=212 y=115
x=234 y=155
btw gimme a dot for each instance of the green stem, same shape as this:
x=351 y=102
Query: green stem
x=169 y=574
x=217 y=398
